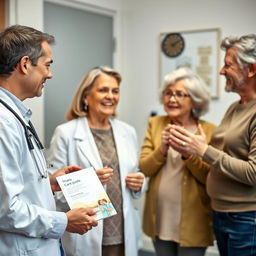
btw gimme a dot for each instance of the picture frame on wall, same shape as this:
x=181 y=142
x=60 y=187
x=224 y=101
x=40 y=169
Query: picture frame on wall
x=196 y=49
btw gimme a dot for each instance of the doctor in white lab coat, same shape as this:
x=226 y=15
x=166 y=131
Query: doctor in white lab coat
x=29 y=222
x=75 y=142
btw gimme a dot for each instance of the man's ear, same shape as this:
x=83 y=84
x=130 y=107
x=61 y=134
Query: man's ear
x=251 y=70
x=24 y=64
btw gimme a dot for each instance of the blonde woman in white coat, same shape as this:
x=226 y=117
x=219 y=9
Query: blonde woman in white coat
x=93 y=137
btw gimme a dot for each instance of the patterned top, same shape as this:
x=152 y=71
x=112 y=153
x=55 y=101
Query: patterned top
x=113 y=227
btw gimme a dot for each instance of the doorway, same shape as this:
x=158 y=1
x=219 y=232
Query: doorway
x=83 y=40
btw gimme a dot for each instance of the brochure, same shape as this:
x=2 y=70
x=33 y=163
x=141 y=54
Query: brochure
x=84 y=189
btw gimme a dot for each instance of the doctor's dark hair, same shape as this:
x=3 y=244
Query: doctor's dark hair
x=78 y=107
x=18 y=41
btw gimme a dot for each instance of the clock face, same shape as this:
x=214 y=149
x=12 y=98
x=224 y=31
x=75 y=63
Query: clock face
x=173 y=45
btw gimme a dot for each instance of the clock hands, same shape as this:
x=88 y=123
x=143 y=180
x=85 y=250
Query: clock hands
x=174 y=43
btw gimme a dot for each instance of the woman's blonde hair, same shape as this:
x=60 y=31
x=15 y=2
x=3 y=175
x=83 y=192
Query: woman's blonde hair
x=78 y=108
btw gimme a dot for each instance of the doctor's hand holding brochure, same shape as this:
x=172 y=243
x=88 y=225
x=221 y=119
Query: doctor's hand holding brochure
x=84 y=189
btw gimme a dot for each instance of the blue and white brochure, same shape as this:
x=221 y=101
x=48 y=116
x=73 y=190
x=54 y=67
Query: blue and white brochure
x=84 y=189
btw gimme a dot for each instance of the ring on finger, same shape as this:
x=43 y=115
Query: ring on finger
x=184 y=144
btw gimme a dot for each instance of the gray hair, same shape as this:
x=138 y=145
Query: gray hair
x=18 y=41
x=197 y=89
x=246 y=46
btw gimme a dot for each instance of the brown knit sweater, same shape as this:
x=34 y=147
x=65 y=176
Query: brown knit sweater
x=231 y=182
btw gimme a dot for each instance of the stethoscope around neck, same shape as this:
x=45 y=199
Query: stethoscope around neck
x=30 y=132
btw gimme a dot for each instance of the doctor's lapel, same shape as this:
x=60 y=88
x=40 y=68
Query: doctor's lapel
x=86 y=144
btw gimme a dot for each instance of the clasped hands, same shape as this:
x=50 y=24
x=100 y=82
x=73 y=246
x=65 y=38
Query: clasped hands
x=183 y=141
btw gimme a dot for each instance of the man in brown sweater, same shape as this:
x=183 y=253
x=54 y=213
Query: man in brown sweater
x=231 y=182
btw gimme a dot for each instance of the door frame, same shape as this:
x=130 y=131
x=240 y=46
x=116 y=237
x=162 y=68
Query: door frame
x=2 y=14
x=114 y=13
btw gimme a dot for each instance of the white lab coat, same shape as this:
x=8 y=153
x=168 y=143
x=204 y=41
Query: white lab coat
x=28 y=220
x=73 y=144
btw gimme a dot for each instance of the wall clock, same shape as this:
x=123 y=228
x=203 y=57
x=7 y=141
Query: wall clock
x=173 y=44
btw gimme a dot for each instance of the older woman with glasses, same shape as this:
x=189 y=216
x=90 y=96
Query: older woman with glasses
x=177 y=214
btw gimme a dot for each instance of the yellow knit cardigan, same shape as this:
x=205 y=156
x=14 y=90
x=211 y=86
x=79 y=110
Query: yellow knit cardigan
x=196 y=217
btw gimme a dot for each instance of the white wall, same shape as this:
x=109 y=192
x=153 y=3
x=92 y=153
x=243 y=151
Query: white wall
x=29 y=13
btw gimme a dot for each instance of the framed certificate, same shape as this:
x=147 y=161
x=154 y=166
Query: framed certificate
x=196 y=49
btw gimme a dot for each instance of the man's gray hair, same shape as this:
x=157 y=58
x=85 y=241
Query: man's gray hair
x=246 y=46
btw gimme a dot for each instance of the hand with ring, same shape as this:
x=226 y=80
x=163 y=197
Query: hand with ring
x=186 y=142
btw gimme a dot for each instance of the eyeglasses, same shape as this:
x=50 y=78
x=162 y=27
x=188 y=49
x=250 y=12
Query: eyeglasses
x=179 y=95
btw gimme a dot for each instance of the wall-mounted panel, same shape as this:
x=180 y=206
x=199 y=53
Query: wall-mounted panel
x=2 y=14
